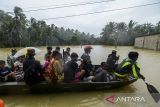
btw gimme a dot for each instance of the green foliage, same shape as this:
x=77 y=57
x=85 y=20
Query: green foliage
x=125 y=34
x=16 y=30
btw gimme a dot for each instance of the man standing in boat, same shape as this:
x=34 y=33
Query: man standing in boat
x=112 y=60
x=86 y=62
x=129 y=66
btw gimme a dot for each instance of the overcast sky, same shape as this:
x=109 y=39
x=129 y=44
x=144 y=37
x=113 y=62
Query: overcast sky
x=90 y=23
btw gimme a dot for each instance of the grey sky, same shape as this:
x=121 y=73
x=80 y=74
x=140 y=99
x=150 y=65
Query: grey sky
x=91 y=23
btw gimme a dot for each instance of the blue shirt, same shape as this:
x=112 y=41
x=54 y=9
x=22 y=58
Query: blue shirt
x=4 y=71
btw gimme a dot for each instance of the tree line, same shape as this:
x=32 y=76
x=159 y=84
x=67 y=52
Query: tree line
x=124 y=34
x=17 y=31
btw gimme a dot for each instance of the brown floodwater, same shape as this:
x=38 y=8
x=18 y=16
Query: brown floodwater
x=149 y=61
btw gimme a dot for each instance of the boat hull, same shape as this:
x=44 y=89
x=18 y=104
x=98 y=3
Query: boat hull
x=21 y=87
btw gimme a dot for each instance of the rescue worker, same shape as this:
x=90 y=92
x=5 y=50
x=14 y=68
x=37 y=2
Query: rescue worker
x=129 y=67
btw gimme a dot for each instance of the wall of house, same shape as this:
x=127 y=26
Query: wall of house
x=139 y=42
x=148 y=42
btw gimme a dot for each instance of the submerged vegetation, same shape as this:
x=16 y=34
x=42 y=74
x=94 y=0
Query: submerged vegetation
x=16 y=30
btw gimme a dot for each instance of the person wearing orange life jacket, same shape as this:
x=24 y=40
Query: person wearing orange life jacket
x=129 y=66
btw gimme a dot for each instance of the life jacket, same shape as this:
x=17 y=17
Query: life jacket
x=135 y=68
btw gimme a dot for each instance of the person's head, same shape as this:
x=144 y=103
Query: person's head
x=57 y=49
x=49 y=49
x=114 y=52
x=88 y=48
x=2 y=63
x=31 y=52
x=74 y=56
x=56 y=55
x=133 y=55
x=13 y=52
x=68 y=49
x=103 y=65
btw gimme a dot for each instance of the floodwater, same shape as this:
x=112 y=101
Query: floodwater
x=149 y=61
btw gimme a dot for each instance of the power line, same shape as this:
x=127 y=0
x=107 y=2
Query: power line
x=102 y=11
x=68 y=5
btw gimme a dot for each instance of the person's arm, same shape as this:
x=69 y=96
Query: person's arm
x=141 y=76
x=117 y=58
x=10 y=73
x=138 y=72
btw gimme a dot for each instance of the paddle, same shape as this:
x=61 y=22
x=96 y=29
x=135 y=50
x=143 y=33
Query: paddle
x=153 y=91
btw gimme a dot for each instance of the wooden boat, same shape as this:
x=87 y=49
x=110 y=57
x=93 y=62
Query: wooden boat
x=46 y=87
x=21 y=87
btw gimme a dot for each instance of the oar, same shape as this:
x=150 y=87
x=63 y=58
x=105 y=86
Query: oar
x=153 y=91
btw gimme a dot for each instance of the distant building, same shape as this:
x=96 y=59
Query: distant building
x=148 y=42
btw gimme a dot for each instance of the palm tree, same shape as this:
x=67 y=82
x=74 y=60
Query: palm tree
x=108 y=32
x=19 y=24
x=121 y=29
x=130 y=32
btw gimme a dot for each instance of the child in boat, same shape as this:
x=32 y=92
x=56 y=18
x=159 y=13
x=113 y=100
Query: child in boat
x=71 y=70
x=55 y=68
x=5 y=73
x=18 y=69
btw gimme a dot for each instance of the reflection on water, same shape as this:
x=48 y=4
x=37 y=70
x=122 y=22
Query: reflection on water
x=148 y=59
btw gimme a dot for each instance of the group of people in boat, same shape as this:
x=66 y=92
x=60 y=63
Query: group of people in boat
x=63 y=67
